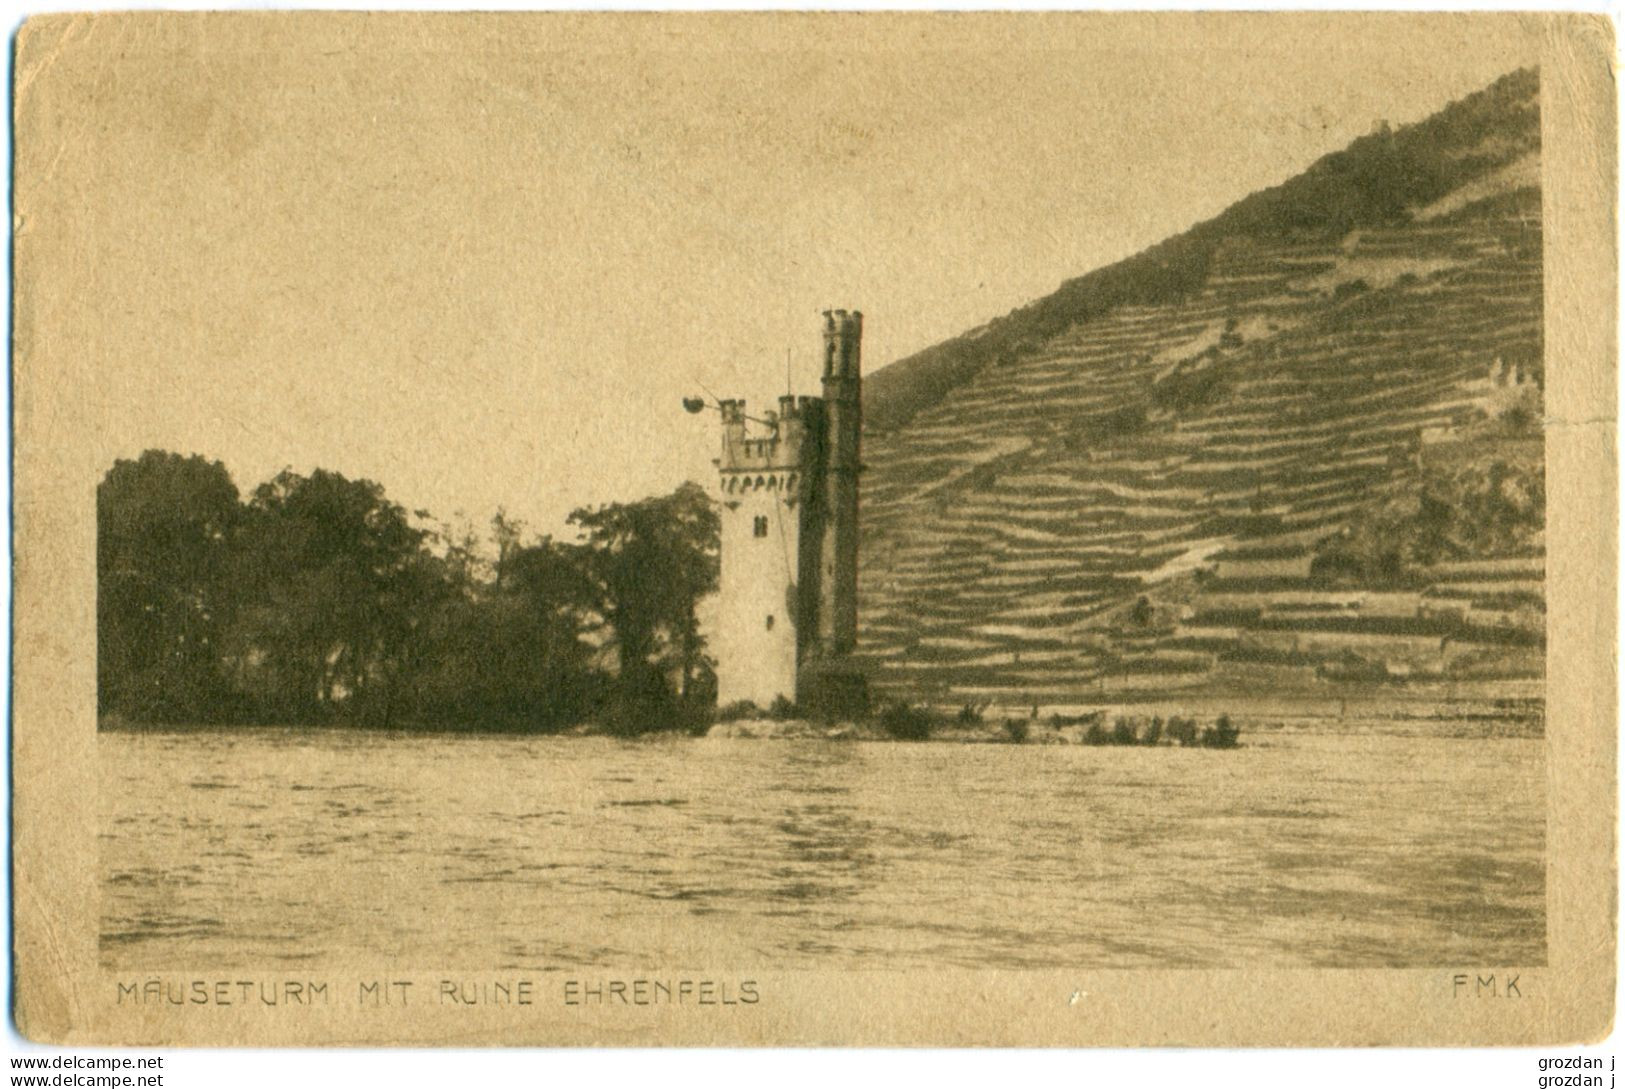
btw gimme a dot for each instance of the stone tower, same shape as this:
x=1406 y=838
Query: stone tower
x=828 y=679
x=843 y=424
x=788 y=615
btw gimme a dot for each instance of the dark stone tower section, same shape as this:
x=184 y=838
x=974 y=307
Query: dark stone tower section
x=808 y=588
x=838 y=552
x=830 y=681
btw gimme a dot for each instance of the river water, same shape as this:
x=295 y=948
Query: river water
x=264 y=848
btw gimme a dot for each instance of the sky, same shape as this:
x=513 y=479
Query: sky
x=481 y=260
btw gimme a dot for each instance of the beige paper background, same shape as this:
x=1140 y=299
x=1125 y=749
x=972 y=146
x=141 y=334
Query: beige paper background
x=68 y=391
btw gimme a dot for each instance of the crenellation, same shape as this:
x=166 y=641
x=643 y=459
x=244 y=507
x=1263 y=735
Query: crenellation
x=843 y=336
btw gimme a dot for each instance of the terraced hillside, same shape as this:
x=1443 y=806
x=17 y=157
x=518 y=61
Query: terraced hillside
x=1295 y=449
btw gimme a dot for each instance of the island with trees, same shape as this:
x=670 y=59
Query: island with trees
x=316 y=600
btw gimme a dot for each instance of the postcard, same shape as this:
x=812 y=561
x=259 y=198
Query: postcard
x=1017 y=529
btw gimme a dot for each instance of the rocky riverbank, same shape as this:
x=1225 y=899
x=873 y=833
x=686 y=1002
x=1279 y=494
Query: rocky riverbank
x=892 y=724
x=1088 y=729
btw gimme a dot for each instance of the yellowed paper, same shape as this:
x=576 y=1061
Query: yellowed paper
x=1213 y=650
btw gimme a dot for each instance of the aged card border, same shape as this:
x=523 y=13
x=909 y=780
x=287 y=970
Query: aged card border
x=63 y=996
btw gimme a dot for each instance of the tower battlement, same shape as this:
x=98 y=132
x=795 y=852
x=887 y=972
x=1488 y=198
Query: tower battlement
x=843 y=338
x=781 y=442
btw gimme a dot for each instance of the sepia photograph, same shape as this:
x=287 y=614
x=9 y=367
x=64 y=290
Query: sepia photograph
x=639 y=528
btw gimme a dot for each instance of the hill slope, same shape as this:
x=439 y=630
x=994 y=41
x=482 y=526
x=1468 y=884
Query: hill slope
x=1297 y=446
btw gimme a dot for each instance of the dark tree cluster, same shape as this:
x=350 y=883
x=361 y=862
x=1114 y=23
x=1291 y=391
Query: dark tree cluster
x=1494 y=509
x=317 y=600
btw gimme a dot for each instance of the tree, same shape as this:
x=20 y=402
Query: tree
x=510 y=653
x=508 y=535
x=646 y=566
x=337 y=576
x=164 y=526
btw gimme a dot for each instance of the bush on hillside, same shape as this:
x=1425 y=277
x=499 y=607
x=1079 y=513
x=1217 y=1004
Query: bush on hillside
x=971 y=714
x=739 y=709
x=905 y=722
x=1223 y=735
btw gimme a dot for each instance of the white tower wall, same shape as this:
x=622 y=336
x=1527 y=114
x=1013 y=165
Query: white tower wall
x=755 y=644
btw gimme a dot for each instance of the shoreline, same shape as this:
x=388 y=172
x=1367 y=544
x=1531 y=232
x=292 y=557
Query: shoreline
x=1109 y=727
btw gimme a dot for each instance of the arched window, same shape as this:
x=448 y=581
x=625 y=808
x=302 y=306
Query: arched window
x=760 y=527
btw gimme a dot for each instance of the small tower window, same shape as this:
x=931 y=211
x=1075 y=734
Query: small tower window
x=770 y=623
x=760 y=528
